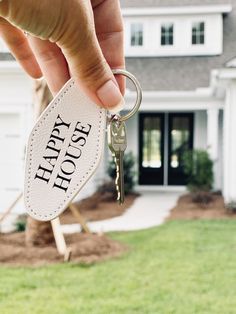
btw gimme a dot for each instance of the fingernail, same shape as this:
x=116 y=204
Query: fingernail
x=111 y=97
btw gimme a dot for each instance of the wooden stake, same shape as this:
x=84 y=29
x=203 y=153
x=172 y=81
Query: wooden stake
x=10 y=208
x=79 y=218
x=59 y=237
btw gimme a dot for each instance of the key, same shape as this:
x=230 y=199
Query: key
x=117 y=143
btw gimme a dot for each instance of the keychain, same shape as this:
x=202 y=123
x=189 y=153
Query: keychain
x=65 y=148
x=117 y=140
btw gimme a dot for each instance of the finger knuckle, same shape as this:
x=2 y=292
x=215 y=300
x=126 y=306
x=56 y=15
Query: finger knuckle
x=94 y=71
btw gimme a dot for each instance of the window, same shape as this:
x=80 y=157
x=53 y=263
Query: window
x=136 y=34
x=167 y=34
x=198 y=33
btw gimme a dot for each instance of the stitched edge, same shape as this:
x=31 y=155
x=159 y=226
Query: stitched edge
x=89 y=172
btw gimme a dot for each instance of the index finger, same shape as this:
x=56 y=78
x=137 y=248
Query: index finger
x=109 y=30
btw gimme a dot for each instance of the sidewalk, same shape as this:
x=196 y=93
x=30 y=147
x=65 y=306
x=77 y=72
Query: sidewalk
x=149 y=210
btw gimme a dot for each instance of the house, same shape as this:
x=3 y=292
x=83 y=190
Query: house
x=184 y=55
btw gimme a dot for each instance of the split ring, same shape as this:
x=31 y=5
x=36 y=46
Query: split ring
x=138 y=91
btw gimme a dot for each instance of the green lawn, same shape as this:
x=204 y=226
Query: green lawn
x=180 y=267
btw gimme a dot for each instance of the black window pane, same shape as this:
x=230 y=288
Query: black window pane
x=202 y=27
x=198 y=33
x=151 y=150
x=167 y=34
x=163 y=40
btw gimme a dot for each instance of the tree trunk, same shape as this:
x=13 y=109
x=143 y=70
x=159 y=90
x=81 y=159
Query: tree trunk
x=38 y=232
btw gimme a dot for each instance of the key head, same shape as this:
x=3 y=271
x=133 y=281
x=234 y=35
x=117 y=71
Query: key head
x=117 y=140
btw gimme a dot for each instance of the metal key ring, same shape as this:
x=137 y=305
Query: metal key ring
x=138 y=90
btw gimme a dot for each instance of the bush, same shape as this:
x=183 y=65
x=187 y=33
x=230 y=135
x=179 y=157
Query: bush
x=20 y=224
x=199 y=170
x=129 y=172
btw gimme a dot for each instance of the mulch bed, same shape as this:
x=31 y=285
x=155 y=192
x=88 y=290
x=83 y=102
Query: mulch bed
x=187 y=209
x=86 y=248
x=94 y=208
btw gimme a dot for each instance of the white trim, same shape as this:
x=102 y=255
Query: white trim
x=164 y=188
x=201 y=99
x=201 y=9
x=225 y=74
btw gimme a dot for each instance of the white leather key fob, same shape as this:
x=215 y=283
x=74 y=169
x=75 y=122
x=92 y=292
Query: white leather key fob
x=64 y=150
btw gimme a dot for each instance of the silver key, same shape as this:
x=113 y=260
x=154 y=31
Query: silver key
x=117 y=143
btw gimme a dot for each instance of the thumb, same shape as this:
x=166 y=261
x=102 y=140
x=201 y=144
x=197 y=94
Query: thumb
x=88 y=65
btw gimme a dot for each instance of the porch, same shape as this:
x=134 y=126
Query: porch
x=168 y=124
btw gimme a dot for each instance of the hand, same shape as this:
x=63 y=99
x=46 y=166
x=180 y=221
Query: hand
x=78 y=38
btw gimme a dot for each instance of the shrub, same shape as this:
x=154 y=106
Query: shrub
x=129 y=172
x=199 y=170
x=20 y=225
x=231 y=207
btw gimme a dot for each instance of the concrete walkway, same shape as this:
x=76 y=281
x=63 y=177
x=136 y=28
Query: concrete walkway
x=149 y=210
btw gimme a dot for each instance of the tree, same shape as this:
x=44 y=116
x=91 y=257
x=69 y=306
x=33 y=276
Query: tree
x=38 y=232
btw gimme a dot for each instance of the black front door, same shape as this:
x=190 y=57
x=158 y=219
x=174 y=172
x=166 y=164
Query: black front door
x=180 y=140
x=163 y=138
x=151 y=148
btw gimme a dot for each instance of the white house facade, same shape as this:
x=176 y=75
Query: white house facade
x=184 y=55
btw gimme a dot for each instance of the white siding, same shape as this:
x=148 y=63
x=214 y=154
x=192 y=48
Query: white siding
x=15 y=123
x=11 y=158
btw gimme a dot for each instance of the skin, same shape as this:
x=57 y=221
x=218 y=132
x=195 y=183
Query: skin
x=78 y=38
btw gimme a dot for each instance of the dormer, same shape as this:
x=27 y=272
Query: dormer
x=174 y=31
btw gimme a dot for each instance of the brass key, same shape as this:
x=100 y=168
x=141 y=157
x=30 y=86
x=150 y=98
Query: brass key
x=117 y=143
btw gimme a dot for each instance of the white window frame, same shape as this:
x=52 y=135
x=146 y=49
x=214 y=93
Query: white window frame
x=136 y=29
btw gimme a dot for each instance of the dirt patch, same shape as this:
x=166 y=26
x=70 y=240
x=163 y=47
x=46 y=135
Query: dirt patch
x=86 y=248
x=186 y=209
x=96 y=208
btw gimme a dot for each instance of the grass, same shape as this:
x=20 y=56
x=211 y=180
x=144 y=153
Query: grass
x=180 y=268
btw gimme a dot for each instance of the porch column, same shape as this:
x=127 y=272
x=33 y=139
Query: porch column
x=229 y=143
x=212 y=142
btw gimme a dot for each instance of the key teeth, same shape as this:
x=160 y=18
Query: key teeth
x=117 y=180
